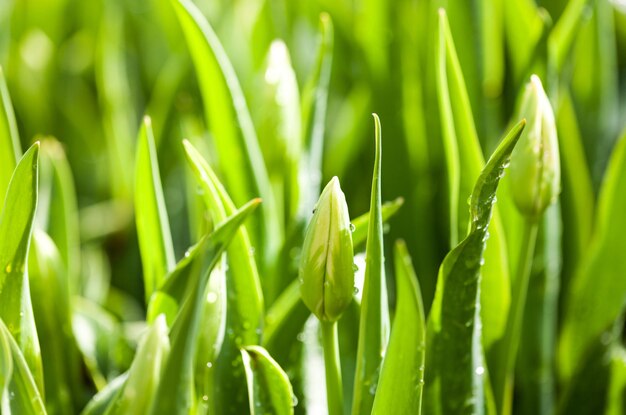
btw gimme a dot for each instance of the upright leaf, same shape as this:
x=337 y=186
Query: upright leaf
x=374 y=320
x=16 y=224
x=465 y=162
x=402 y=375
x=269 y=390
x=455 y=368
x=175 y=393
x=244 y=317
x=227 y=114
x=153 y=228
x=592 y=303
x=6 y=365
x=22 y=395
x=10 y=149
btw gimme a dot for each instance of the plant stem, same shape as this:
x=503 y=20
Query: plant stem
x=334 y=388
x=516 y=314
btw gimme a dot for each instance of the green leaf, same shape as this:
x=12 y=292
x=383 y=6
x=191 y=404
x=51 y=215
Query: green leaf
x=175 y=394
x=228 y=117
x=374 y=320
x=455 y=367
x=402 y=375
x=465 y=162
x=153 y=228
x=561 y=38
x=245 y=298
x=10 y=149
x=144 y=375
x=16 y=224
x=314 y=105
x=22 y=395
x=592 y=303
x=62 y=209
x=62 y=363
x=6 y=364
x=103 y=399
x=269 y=390
x=118 y=113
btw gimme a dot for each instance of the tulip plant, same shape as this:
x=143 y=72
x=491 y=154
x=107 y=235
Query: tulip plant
x=174 y=237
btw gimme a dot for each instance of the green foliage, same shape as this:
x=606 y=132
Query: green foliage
x=153 y=235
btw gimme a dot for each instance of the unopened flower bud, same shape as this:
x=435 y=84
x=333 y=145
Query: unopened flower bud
x=326 y=267
x=535 y=166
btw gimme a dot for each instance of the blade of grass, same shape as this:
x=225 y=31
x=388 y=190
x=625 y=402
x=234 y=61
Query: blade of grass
x=244 y=317
x=463 y=154
x=10 y=149
x=314 y=105
x=592 y=302
x=65 y=388
x=16 y=224
x=374 y=320
x=62 y=223
x=22 y=395
x=227 y=114
x=153 y=228
x=175 y=393
x=456 y=377
x=269 y=389
x=402 y=375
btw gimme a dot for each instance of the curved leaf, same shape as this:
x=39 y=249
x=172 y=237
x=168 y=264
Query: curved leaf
x=465 y=162
x=402 y=375
x=10 y=149
x=455 y=367
x=269 y=390
x=16 y=224
x=175 y=393
x=228 y=117
x=22 y=395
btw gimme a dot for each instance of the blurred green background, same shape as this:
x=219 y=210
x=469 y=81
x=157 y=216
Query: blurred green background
x=86 y=72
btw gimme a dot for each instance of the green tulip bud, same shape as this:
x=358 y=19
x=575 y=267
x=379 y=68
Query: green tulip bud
x=326 y=267
x=535 y=167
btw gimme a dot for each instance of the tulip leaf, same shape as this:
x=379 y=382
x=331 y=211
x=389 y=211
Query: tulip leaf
x=144 y=375
x=16 y=224
x=153 y=229
x=465 y=162
x=22 y=394
x=10 y=150
x=374 y=320
x=269 y=390
x=175 y=391
x=61 y=358
x=62 y=209
x=592 y=303
x=6 y=364
x=227 y=114
x=455 y=368
x=402 y=375
x=101 y=402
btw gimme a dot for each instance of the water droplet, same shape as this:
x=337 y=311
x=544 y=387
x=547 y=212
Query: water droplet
x=314 y=210
x=300 y=337
x=352 y=227
x=301 y=281
x=480 y=370
x=355 y=290
x=251 y=251
x=205 y=398
x=326 y=283
x=469 y=200
x=482 y=261
x=294 y=400
x=209 y=365
x=187 y=253
x=211 y=297
x=355 y=267
x=8 y=269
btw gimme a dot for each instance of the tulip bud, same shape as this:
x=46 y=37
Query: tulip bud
x=535 y=167
x=326 y=267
